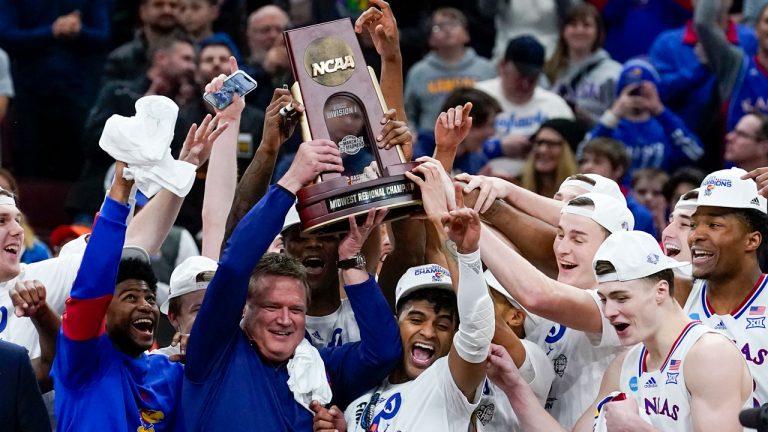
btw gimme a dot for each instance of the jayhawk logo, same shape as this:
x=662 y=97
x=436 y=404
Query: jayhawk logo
x=438 y=276
x=148 y=420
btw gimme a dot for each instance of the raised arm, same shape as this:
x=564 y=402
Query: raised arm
x=472 y=341
x=221 y=180
x=529 y=235
x=83 y=321
x=451 y=128
x=540 y=207
x=29 y=300
x=219 y=316
x=151 y=226
x=255 y=180
x=355 y=368
x=567 y=305
x=725 y=60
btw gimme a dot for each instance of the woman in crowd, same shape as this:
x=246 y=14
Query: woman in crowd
x=580 y=70
x=552 y=159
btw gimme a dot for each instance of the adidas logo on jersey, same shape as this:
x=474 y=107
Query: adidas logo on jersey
x=651 y=383
x=317 y=336
x=720 y=326
x=755 y=201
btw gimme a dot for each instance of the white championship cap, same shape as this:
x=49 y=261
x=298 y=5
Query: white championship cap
x=423 y=276
x=634 y=255
x=602 y=185
x=725 y=188
x=291 y=219
x=184 y=278
x=494 y=283
x=611 y=214
x=688 y=200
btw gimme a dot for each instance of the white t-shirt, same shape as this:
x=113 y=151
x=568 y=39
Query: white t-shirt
x=579 y=360
x=745 y=326
x=335 y=329
x=58 y=275
x=431 y=402
x=6 y=83
x=494 y=412
x=524 y=119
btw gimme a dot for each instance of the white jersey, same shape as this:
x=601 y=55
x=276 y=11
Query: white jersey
x=524 y=119
x=335 y=329
x=662 y=395
x=745 y=325
x=494 y=412
x=58 y=275
x=579 y=360
x=431 y=402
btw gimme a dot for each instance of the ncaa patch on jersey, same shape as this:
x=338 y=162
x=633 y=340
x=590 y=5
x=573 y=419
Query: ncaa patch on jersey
x=633 y=383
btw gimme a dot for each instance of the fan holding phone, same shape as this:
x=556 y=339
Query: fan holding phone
x=238 y=82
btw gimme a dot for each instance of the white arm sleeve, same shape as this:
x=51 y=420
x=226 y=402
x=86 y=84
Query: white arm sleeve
x=476 y=316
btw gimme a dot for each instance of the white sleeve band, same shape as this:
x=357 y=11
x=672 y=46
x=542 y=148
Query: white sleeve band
x=476 y=314
x=609 y=119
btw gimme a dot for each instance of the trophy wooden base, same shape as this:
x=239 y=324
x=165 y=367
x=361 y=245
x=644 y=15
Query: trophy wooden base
x=325 y=207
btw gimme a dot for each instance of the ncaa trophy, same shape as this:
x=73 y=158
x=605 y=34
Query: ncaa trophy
x=343 y=103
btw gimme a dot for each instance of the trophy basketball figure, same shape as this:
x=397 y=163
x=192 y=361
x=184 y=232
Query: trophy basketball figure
x=343 y=103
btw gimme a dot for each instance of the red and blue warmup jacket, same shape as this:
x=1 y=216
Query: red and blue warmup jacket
x=98 y=388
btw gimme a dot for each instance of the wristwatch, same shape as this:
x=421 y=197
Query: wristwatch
x=356 y=261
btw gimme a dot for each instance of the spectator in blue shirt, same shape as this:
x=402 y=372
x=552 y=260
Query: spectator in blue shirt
x=654 y=136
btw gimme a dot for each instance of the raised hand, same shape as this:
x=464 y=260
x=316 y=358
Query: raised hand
x=490 y=189
x=462 y=225
x=382 y=26
x=277 y=127
x=199 y=141
x=28 y=298
x=353 y=242
x=395 y=132
x=437 y=194
x=452 y=127
x=313 y=158
x=233 y=110
x=761 y=178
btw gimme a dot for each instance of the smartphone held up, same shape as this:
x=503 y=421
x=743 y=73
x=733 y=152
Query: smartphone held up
x=239 y=83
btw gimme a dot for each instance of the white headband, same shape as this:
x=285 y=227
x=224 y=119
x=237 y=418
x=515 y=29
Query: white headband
x=579 y=184
x=6 y=200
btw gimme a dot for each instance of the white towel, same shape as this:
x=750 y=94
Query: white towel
x=143 y=143
x=306 y=376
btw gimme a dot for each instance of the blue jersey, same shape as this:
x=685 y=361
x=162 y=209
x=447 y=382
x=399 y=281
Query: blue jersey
x=750 y=93
x=99 y=388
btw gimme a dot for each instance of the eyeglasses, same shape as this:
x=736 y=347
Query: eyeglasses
x=445 y=26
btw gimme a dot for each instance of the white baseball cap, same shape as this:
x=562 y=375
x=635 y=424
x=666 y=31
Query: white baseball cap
x=423 y=276
x=634 y=255
x=291 y=219
x=688 y=200
x=494 y=283
x=610 y=213
x=184 y=278
x=602 y=185
x=725 y=188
